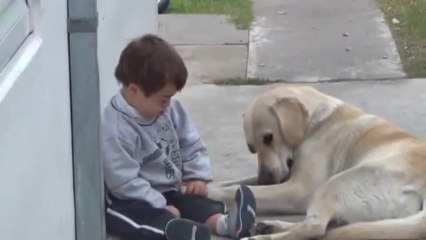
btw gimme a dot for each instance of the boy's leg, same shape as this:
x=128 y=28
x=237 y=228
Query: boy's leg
x=136 y=220
x=236 y=224
x=184 y=229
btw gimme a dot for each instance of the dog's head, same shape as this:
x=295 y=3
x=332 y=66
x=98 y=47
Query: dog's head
x=275 y=125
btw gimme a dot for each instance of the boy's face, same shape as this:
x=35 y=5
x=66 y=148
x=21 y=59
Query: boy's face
x=153 y=105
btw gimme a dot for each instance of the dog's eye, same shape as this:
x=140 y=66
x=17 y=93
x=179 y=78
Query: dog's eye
x=268 y=138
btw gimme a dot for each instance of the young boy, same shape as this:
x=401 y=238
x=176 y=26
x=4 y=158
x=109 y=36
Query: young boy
x=156 y=167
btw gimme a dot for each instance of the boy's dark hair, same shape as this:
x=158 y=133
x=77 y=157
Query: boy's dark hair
x=151 y=63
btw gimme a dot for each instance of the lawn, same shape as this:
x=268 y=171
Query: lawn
x=240 y=11
x=409 y=33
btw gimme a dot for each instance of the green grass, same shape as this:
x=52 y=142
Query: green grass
x=240 y=11
x=410 y=33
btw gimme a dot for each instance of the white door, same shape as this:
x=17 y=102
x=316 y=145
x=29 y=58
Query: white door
x=36 y=180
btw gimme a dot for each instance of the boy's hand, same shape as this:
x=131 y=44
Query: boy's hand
x=196 y=187
x=173 y=210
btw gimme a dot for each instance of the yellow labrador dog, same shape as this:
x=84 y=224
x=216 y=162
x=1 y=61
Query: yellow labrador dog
x=342 y=167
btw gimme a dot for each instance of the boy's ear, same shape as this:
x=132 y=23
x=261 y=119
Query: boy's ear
x=133 y=88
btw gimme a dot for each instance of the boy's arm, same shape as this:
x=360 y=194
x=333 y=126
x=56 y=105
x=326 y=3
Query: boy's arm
x=196 y=162
x=121 y=173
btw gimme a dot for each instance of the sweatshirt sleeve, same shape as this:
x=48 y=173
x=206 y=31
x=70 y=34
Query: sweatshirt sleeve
x=121 y=171
x=196 y=162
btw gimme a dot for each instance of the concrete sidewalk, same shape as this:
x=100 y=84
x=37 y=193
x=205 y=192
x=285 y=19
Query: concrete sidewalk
x=315 y=40
x=298 y=41
x=211 y=46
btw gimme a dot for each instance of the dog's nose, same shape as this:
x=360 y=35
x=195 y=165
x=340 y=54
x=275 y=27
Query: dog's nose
x=265 y=177
x=290 y=163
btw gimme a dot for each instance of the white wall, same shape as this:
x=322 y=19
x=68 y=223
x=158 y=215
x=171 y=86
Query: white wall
x=119 y=22
x=36 y=182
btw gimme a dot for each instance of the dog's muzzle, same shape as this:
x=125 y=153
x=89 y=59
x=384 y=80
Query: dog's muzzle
x=267 y=177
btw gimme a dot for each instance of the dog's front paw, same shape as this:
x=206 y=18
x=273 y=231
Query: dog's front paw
x=264 y=227
x=253 y=230
x=270 y=227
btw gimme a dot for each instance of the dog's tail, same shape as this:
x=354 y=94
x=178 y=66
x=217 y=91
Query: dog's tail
x=412 y=227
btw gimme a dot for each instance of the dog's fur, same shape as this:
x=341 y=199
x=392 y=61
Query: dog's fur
x=325 y=158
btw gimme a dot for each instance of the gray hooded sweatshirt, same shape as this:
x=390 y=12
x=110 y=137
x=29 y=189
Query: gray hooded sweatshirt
x=144 y=157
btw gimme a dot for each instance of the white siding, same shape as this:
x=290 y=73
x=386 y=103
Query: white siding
x=35 y=142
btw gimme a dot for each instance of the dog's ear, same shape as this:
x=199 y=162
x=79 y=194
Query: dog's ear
x=293 y=119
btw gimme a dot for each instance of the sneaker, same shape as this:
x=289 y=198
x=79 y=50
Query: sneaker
x=243 y=216
x=183 y=229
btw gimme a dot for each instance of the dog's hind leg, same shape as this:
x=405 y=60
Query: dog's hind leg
x=354 y=195
x=412 y=227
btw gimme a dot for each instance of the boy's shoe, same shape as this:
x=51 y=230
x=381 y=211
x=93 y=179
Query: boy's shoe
x=243 y=216
x=183 y=229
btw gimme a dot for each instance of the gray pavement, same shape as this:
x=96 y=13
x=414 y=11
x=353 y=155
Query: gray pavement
x=200 y=29
x=304 y=41
x=297 y=41
x=207 y=63
x=211 y=46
